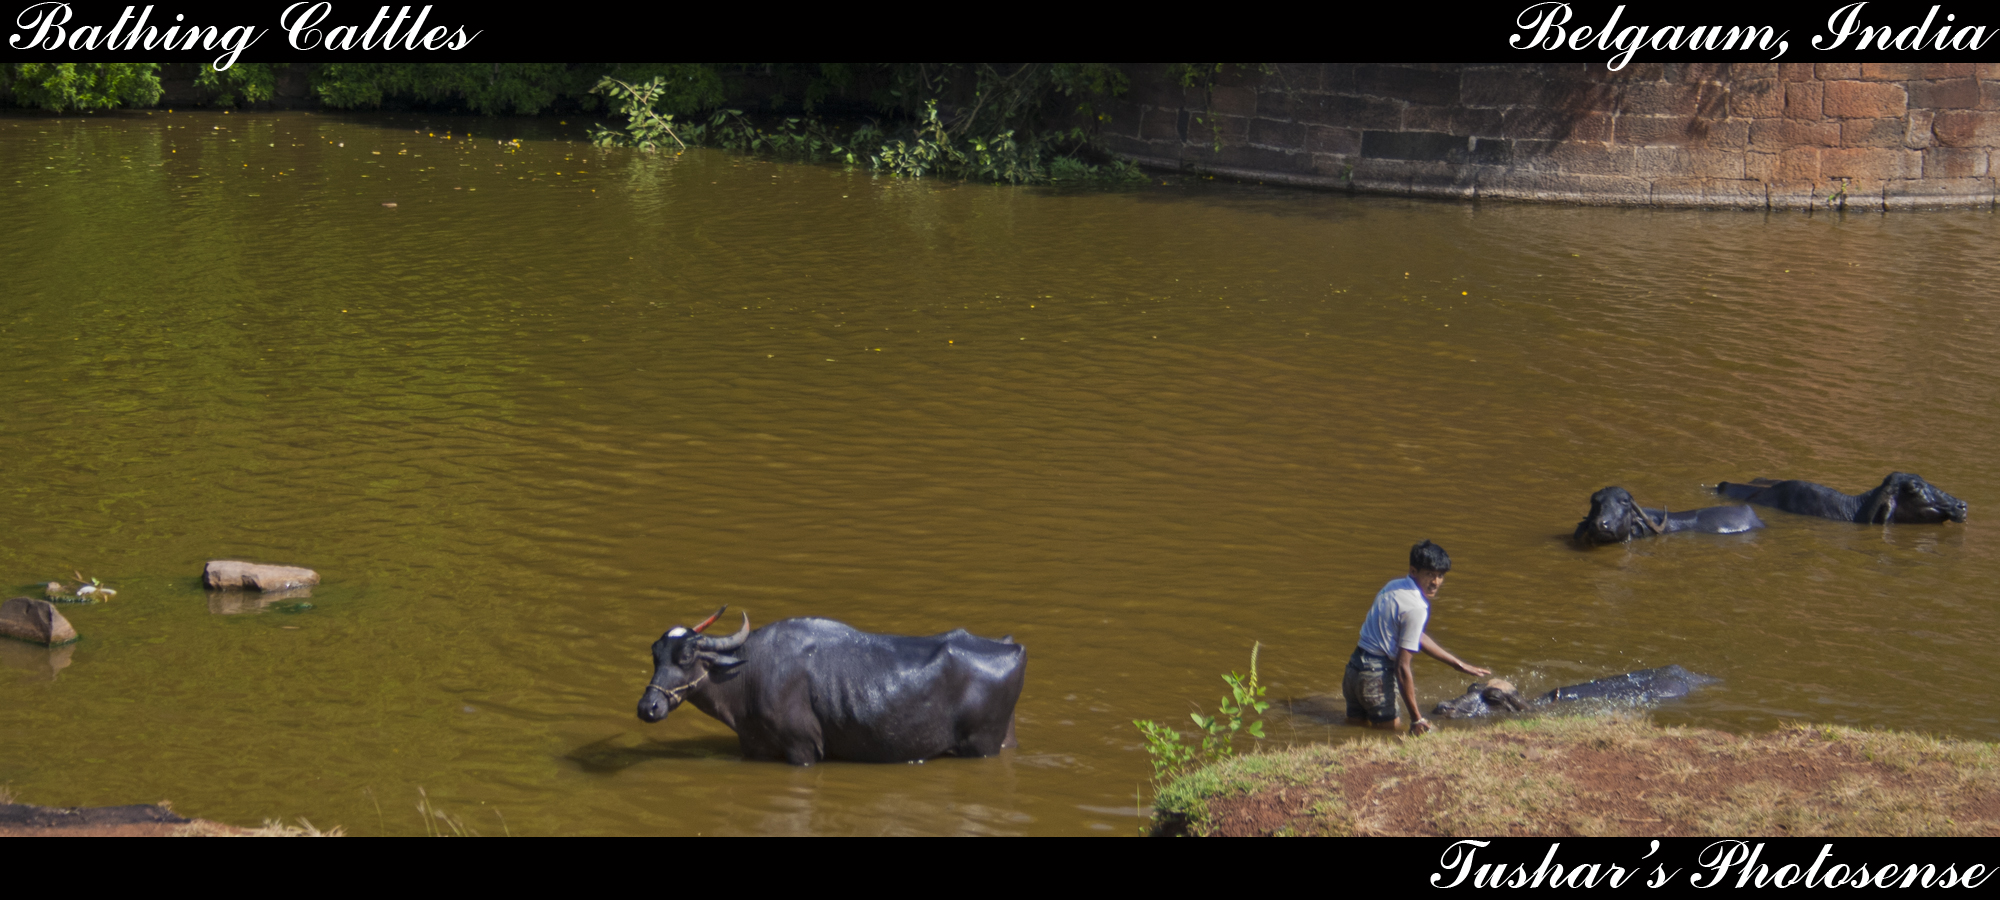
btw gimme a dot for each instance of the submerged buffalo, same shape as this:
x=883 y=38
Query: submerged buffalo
x=1902 y=498
x=803 y=690
x=1483 y=698
x=1493 y=695
x=1615 y=516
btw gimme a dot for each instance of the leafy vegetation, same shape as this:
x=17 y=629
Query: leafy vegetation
x=929 y=146
x=1237 y=713
x=240 y=83
x=484 y=88
x=507 y=88
x=58 y=87
x=1015 y=123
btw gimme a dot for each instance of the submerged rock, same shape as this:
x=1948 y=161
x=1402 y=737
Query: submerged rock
x=36 y=621
x=228 y=574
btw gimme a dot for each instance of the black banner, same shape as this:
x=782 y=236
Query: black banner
x=1641 y=864
x=1611 y=34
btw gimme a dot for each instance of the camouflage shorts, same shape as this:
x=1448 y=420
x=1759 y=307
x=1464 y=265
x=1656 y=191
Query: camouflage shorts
x=1370 y=687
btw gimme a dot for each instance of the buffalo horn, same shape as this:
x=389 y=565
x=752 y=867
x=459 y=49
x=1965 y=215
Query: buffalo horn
x=733 y=641
x=708 y=621
x=1649 y=519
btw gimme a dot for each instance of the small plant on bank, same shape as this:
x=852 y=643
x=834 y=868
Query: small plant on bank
x=1239 y=713
x=728 y=129
x=932 y=146
x=645 y=129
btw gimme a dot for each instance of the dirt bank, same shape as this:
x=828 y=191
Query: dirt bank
x=1599 y=776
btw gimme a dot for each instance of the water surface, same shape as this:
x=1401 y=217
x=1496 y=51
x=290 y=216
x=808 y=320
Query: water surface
x=557 y=399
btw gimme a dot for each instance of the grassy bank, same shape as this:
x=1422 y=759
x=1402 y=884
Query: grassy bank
x=1562 y=776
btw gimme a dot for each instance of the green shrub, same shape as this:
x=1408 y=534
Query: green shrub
x=1237 y=713
x=61 y=87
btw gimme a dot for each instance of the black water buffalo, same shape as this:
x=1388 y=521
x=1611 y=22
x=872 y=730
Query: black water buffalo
x=803 y=690
x=1483 y=698
x=1901 y=498
x=1615 y=516
x=1644 y=686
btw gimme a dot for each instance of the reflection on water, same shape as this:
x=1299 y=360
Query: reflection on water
x=229 y=603
x=1317 y=709
x=38 y=661
x=558 y=399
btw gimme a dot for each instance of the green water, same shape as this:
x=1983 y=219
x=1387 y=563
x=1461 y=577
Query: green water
x=557 y=399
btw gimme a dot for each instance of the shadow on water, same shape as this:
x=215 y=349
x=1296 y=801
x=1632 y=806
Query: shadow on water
x=1255 y=199
x=614 y=754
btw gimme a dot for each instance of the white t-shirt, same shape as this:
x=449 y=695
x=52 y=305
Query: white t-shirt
x=1396 y=621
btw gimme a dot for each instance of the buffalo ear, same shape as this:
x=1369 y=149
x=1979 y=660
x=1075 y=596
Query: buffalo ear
x=721 y=660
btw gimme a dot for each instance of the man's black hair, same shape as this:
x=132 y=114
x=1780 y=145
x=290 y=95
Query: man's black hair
x=1429 y=557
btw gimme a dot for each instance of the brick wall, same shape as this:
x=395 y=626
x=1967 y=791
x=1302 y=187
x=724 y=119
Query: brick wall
x=1786 y=136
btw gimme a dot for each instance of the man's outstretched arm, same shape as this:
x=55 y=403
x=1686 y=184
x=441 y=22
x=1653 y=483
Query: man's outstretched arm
x=1434 y=651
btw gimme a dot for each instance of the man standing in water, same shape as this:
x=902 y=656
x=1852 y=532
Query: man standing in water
x=1390 y=638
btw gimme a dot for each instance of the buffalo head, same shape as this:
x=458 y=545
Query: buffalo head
x=1482 y=698
x=1614 y=516
x=1907 y=498
x=682 y=659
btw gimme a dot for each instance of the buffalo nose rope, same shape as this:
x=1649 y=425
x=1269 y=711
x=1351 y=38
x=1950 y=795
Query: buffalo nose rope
x=674 y=695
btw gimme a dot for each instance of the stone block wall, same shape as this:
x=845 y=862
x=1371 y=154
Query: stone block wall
x=1766 y=136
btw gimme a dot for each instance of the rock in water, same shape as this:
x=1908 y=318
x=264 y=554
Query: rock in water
x=224 y=574
x=36 y=621
x=23 y=820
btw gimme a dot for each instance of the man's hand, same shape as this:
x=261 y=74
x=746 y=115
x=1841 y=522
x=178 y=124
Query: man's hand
x=1476 y=671
x=1407 y=683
